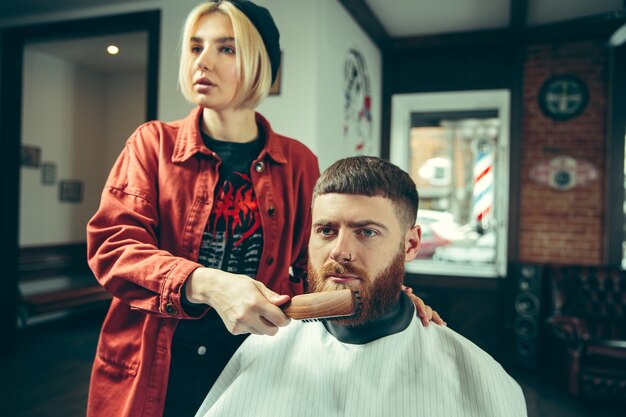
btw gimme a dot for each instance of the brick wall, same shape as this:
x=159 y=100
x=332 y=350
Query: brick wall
x=564 y=227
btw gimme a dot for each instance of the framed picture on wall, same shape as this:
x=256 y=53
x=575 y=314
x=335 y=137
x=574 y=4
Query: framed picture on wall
x=48 y=173
x=31 y=156
x=71 y=191
x=275 y=88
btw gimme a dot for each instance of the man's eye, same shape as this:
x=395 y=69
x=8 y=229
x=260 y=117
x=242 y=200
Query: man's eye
x=325 y=231
x=368 y=232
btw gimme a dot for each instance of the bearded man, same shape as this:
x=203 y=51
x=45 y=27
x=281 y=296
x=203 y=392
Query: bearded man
x=382 y=362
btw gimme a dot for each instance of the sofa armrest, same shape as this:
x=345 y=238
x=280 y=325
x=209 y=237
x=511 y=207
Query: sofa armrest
x=570 y=330
x=613 y=350
x=573 y=334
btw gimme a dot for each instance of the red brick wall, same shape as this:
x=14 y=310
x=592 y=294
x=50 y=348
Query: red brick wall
x=564 y=227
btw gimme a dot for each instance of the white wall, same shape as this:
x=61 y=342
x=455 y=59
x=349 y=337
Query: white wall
x=57 y=121
x=294 y=112
x=315 y=38
x=338 y=33
x=125 y=108
x=77 y=118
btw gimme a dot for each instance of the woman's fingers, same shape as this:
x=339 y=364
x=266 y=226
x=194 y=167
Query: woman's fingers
x=424 y=312
x=438 y=320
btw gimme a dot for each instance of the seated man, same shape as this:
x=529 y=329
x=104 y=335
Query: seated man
x=382 y=362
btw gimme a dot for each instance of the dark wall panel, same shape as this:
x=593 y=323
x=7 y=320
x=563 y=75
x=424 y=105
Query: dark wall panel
x=450 y=69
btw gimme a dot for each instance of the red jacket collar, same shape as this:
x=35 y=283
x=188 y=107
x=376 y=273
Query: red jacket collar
x=189 y=140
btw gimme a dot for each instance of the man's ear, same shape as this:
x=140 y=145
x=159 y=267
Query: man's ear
x=412 y=241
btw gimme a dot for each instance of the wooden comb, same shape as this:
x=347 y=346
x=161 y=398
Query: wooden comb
x=327 y=305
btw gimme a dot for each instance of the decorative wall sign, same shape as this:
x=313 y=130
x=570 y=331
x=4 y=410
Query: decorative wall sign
x=357 y=126
x=31 y=156
x=48 y=173
x=71 y=191
x=563 y=97
x=563 y=173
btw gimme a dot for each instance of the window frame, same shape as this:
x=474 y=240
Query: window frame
x=402 y=106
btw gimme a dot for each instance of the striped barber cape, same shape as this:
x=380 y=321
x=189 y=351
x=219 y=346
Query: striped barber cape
x=305 y=371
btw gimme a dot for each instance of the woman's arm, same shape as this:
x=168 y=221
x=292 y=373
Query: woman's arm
x=122 y=237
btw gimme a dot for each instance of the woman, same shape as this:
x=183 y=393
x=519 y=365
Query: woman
x=211 y=210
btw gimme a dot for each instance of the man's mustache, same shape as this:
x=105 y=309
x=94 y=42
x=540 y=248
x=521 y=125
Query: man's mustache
x=333 y=268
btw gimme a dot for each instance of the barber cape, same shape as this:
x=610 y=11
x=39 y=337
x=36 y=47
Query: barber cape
x=305 y=371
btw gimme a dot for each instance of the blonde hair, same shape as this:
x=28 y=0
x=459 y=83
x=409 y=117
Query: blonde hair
x=253 y=64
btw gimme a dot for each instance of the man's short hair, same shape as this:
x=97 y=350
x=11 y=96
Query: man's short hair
x=372 y=176
x=253 y=62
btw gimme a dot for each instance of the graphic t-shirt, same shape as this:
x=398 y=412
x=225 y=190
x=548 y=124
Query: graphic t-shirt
x=232 y=240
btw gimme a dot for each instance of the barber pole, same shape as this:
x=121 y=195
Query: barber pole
x=482 y=195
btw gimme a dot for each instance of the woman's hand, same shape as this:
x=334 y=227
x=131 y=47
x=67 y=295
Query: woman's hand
x=425 y=313
x=244 y=304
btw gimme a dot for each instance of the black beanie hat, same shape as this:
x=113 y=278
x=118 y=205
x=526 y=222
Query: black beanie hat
x=262 y=20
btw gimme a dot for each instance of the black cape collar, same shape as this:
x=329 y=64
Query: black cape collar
x=394 y=321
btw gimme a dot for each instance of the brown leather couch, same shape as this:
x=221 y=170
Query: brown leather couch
x=587 y=330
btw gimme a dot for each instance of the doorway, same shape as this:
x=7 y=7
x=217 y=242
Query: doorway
x=57 y=161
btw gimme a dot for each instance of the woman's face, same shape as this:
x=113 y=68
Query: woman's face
x=213 y=69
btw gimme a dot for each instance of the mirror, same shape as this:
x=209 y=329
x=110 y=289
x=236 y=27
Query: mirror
x=59 y=135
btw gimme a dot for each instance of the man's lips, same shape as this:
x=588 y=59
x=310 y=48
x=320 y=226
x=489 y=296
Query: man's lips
x=342 y=278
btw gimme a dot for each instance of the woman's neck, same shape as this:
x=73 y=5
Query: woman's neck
x=230 y=126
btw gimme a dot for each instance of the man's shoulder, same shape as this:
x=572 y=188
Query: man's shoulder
x=445 y=336
x=440 y=343
x=483 y=381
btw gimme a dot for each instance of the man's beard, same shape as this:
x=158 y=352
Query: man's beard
x=377 y=295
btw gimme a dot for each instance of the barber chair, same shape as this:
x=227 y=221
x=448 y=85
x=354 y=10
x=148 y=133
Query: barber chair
x=587 y=330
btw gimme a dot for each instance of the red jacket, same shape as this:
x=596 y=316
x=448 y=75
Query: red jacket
x=143 y=242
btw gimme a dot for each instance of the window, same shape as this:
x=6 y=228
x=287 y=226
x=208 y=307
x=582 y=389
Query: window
x=455 y=147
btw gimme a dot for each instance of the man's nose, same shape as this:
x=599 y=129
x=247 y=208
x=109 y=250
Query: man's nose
x=343 y=249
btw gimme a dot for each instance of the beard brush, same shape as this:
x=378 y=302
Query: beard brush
x=325 y=305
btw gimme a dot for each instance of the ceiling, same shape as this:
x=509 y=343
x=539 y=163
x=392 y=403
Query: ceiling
x=16 y=8
x=92 y=52
x=89 y=52
x=400 y=18
x=403 y=18
x=393 y=18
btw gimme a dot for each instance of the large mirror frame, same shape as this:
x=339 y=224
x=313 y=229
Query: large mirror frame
x=13 y=41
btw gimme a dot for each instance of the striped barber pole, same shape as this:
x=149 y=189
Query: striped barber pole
x=482 y=194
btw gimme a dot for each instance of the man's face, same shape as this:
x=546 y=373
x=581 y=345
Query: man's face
x=357 y=242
